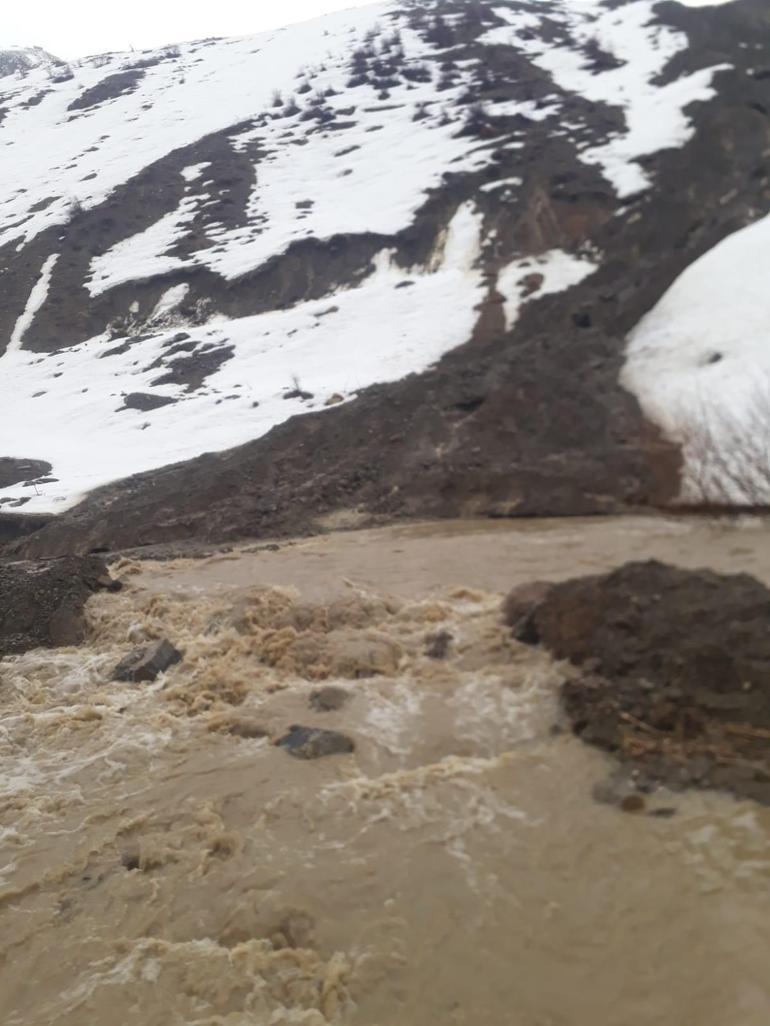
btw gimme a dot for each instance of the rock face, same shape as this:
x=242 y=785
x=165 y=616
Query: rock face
x=677 y=671
x=315 y=743
x=41 y=603
x=524 y=415
x=145 y=663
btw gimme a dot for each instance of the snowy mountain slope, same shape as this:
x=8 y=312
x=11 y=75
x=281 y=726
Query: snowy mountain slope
x=199 y=243
x=20 y=60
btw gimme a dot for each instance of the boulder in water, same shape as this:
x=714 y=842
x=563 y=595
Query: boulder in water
x=145 y=663
x=314 y=742
x=328 y=699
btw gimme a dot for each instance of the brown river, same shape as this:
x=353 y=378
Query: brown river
x=163 y=863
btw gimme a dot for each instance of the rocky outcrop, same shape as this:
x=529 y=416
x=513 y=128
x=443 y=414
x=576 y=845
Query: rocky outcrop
x=41 y=603
x=675 y=671
x=18 y=60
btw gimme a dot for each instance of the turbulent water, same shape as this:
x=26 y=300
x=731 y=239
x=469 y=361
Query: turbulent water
x=164 y=863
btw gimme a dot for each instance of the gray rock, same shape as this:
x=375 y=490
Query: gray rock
x=145 y=663
x=315 y=743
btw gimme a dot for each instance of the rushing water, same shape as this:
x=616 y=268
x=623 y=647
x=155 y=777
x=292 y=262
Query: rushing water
x=161 y=863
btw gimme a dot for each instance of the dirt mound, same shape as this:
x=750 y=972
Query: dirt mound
x=677 y=665
x=41 y=604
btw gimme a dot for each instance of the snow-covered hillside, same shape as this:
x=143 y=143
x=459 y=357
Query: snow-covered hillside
x=20 y=60
x=198 y=243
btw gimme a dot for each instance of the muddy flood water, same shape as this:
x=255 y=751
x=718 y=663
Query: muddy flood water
x=163 y=862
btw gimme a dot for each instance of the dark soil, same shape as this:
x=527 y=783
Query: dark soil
x=676 y=672
x=41 y=604
x=112 y=86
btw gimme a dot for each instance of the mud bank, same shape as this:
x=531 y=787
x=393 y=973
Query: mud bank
x=163 y=860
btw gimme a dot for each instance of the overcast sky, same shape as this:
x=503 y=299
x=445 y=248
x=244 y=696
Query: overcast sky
x=75 y=28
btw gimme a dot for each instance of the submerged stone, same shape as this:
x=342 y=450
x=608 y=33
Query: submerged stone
x=315 y=743
x=328 y=699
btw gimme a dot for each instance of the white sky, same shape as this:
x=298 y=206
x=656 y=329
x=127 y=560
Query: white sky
x=76 y=28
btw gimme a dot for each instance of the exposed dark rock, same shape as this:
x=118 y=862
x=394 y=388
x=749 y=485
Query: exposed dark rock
x=437 y=645
x=41 y=603
x=193 y=369
x=145 y=663
x=328 y=699
x=315 y=743
x=112 y=86
x=677 y=672
x=12 y=471
x=144 y=401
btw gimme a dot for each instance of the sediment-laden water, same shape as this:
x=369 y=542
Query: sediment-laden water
x=162 y=862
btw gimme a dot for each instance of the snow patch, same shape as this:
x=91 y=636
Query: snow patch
x=534 y=277
x=36 y=299
x=194 y=171
x=503 y=183
x=699 y=361
x=144 y=255
x=169 y=301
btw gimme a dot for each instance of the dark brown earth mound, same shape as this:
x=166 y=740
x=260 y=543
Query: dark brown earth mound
x=41 y=604
x=677 y=662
